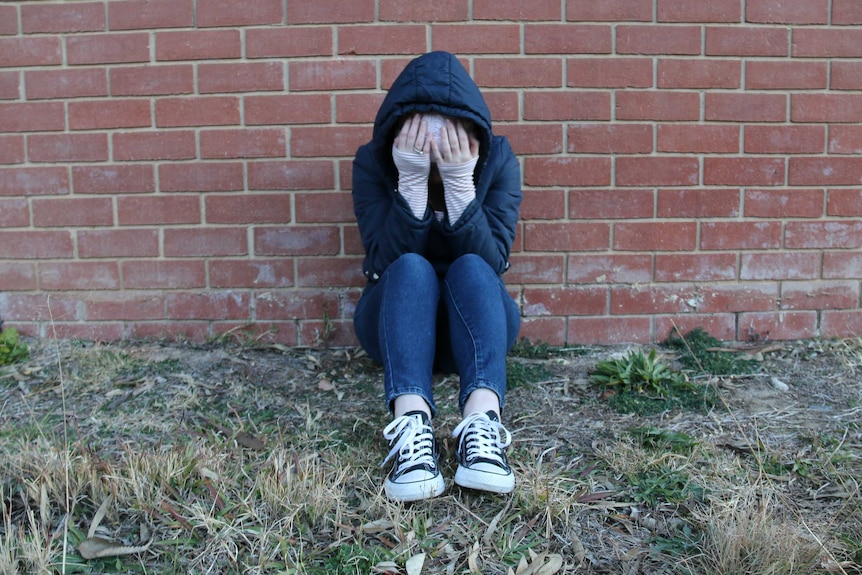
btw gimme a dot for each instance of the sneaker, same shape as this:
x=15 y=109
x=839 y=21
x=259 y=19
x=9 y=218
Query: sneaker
x=415 y=474
x=482 y=464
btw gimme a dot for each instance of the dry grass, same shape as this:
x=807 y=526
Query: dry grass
x=221 y=459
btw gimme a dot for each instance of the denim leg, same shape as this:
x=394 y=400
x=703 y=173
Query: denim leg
x=395 y=322
x=483 y=325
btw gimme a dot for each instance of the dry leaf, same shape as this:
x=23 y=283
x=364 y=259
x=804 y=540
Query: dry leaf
x=473 y=559
x=325 y=385
x=414 y=564
x=95 y=547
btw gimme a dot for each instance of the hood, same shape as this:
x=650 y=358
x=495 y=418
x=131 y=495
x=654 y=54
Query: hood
x=433 y=82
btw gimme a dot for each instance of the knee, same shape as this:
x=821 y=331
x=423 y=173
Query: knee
x=471 y=265
x=414 y=267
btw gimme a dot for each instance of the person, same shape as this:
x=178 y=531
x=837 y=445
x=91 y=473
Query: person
x=436 y=197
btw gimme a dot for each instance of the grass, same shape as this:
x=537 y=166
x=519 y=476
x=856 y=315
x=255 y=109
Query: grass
x=241 y=460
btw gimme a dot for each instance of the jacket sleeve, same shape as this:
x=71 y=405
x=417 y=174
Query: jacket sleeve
x=387 y=227
x=488 y=225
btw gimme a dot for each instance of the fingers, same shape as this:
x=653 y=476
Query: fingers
x=413 y=136
x=457 y=145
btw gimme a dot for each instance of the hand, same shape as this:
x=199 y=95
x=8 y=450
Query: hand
x=413 y=163
x=413 y=136
x=457 y=144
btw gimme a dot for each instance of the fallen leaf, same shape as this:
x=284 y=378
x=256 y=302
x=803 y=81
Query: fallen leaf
x=414 y=564
x=473 y=559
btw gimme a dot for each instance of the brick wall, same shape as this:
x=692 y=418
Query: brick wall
x=182 y=168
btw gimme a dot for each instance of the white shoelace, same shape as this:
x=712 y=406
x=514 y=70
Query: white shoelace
x=415 y=442
x=483 y=437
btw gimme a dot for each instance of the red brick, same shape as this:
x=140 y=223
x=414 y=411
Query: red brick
x=785 y=139
x=136 y=243
x=66 y=83
x=608 y=330
x=67 y=147
x=8 y=20
x=151 y=14
x=543 y=204
x=680 y=40
x=255 y=273
x=109 y=114
x=197 y=111
x=533 y=138
x=610 y=138
x=72 y=212
x=62 y=18
x=296 y=241
x=826 y=43
x=178 y=331
x=21 y=245
x=715 y=11
x=123 y=48
x=820 y=295
x=113 y=179
x=164 y=274
x=96 y=332
x=793 y=75
x=16 y=276
x=787 y=11
x=244 y=77
x=846 y=76
x=745 y=107
x=664 y=298
x=780 y=266
x=14 y=213
x=198 y=45
x=34 y=181
x=698 y=138
x=154 y=145
x=152 y=80
x=333 y=11
x=657 y=171
x=570 y=105
x=441 y=11
x=248 y=209
x=519 y=73
x=567 y=171
x=342 y=74
x=699 y=203
x=536 y=269
x=568 y=39
x=201 y=177
x=327 y=141
x=158 y=210
x=39 y=307
x=325 y=207
x=470 y=38
x=349 y=108
x=699 y=73
x=550 y=330
x=290 y=109
x=823 y=235
x=390 y=68
x=843 y=324
x=513 y=10
x=733 y=298
x=10 y=85
x=609 y=269
x=64 y=276
x=610 y=10
x=12 y=149
x=757 y=235
x=695 y=267
x=778 y=325
x=207 y=305
x=289 y=42
x=291 y=175
x=658 y=106
x=244 y=143
x=329 y=272
x=796 y=203
x=377 y=39
x=828 y=171
x=842 y=264
x=205 y=242
x=747 y=41
x=352 y=241
x=844 y=202
x=36 y=51
x=32 y=117
x=743 y=171
x=229 y=13
x=611 y=204
x=846 y=12
x=609 y=73
x=575 y=236
x=289 y=304
x=844 y=139
x=564 y=301
x=720 y=326
x=124 y=306
x=826 y=108
x=655 y=236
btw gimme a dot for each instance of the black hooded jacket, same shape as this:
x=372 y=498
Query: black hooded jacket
x=435 y=82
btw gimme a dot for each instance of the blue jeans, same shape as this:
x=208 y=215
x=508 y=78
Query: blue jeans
x=414 y=323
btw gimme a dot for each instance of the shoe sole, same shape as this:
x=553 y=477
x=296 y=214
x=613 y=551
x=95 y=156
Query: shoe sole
x=414 y=491
x=484 y=481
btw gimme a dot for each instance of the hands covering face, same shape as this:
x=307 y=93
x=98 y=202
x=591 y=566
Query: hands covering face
x=457 y=144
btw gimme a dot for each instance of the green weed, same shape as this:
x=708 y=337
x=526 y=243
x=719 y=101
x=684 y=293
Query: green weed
x=655 y=438
x=640 y=373
x=12 y=349
x=698 y=352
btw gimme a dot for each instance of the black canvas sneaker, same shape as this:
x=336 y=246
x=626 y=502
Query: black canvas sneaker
x=482 y=464
x=415 y=474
